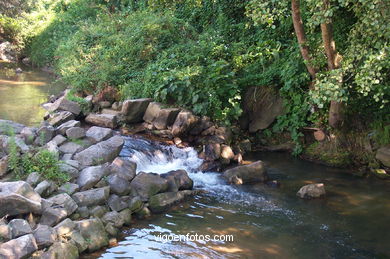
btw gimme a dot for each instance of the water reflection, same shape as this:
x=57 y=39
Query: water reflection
x=21 y=94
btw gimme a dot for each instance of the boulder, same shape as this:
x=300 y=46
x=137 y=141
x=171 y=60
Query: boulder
x=98 y=134
x=202 y=124
x=93 y=231
x=102 y=120
x=161 y=118
x=100 y=153
x=90 y=176
x=92 y=197
x=3 y=166
x=65 y=227
x=178 y=180
x=118 y=184
x=62 y=104
x=212 y=152
x=75 y=133
x=60 y=118
x=227 y=152
x=18 y=198
x=79 y=241
x=45 y=188
x=44 y=235
x=117 y=203
x=5 y=232
x=123 y=167
x=21 y=247
x=69 y=188
x=148 y=184
x=33 y=179
x=162 y=201
x=310 y=191
x=61 y=250
x=261 y=105
x=135 y=204
x=67 y=125
x=126 y=216
x=114 y=218
x=28 y=135
x=99 y=211
x=63 y=200
x=6 y=126
x=134 y=110
x=19 y=227
x=254 y=172
x=58 y=140
x=383 y=155
x=70 y=147
x=184 y=122
x=69 y=170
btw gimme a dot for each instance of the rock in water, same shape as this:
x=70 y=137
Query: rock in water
x=162 y=201
x=93 y=231
x=18 y=198
x=310 y=191
x=100 y=153
x=252 y=173
x=148 y=184
x=184 y=122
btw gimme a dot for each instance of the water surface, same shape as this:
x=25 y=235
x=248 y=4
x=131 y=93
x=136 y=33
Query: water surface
x=21 y=94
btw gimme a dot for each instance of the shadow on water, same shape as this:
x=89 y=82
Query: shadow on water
x=265 y=222
x=21 y=94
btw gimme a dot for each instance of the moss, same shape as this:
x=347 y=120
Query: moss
x=323 y=152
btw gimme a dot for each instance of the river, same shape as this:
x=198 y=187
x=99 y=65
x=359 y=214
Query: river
x=265 y=222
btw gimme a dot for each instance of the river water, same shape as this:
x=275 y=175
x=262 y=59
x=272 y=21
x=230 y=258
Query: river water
x=21 y=94
x=265 y=222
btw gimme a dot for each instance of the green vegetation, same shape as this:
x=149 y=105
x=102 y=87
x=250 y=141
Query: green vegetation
x=332 y=69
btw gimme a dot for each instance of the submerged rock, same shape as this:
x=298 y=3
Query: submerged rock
x=315 y=190
x=252 y=173
x=178 y=180
x=162 y=201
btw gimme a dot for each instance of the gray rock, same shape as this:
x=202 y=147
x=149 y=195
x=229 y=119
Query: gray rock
x=161 y=118
x=118 y=184
x=117 y=203
x=135 y=204
x=90 y=176
x=45 y=188
x=102 y=120
x=67 y=125
x=75 y=133
x=98 y=134
x=18 y=198
x=72 y=163
x=33 y=179
x=134 y=110
x=152 y=112
x=93 y=231
x=19 y=227
x=254 y=172
x=5 y=232
x=162 y=201
x=184 y=122
x=78 y=239
x=21 y=247
x=62 y=104
x=3 y=166
x=201 y=125
x=126 y=216
x=92 y=197
x=6 y=126
x=99 y=211
x=44 y=235
x=61 y=250
x=212 y=151
x=111 y=229
x=65 y=227
x=383 y=155
x=100 y=153
x=114 y=218
x=63 y=200
x=143 y=213
x=83 y=212
x=60 y=118
x=124 y=168
x=69 y=188
x=148 y=184
x=310 y=191
x=58 y=140
x=227 y=152
x=178 y=180
x=52 y=216
x=28 y=135
x=69 y=170
x=71 y=148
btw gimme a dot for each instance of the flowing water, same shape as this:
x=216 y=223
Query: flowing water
x=21 y=94
x=266 y=222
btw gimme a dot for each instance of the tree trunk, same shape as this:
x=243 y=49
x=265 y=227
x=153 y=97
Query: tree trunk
x=301 y=36
x=336 y=108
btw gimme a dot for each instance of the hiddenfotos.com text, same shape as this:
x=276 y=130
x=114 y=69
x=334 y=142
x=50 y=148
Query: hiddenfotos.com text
x=193 y=237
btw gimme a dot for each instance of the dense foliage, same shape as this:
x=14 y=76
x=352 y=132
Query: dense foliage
x=204 y=54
